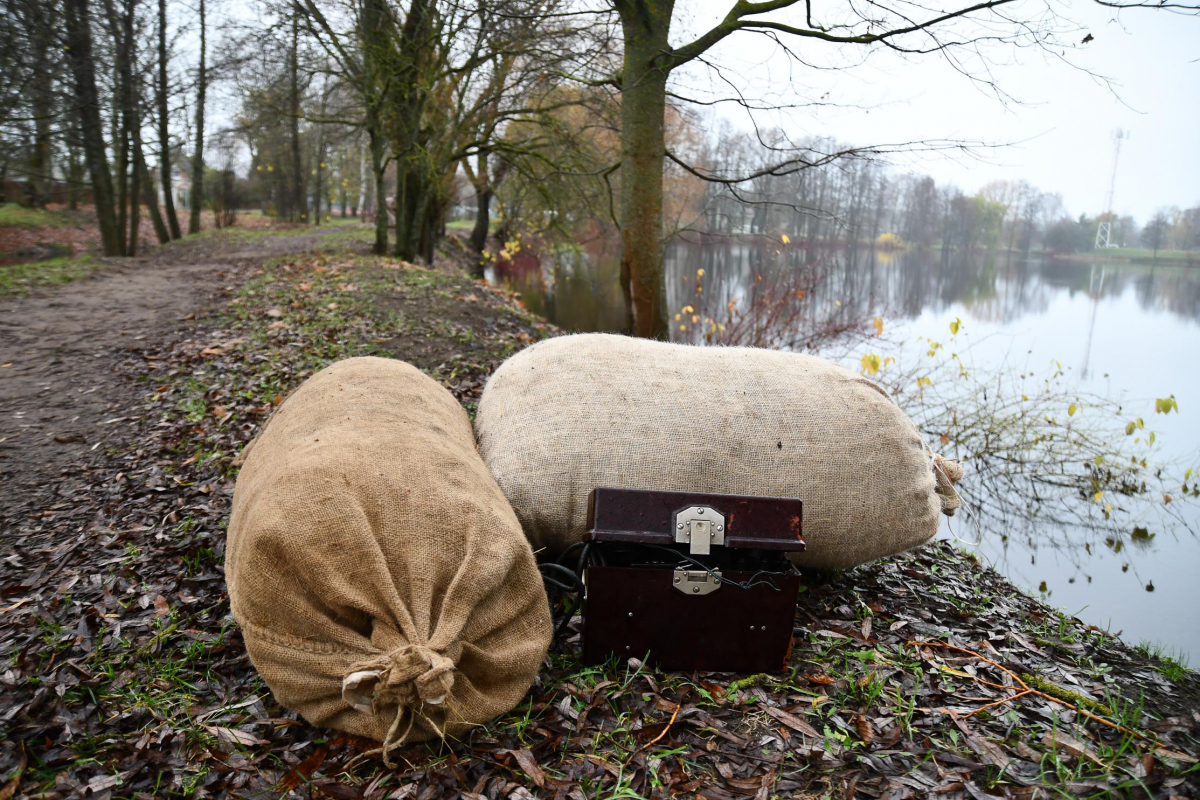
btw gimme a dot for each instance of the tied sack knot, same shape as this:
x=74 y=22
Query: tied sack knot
x=947 y=472
x=409 y=675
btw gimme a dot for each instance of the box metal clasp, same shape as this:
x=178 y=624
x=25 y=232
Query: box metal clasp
x=697 y=581
x=700 y=527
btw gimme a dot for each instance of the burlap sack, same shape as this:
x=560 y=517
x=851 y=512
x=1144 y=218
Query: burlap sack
x=379 y=575
x=577 y=412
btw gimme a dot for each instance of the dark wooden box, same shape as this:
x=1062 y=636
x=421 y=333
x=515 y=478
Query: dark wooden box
x=691 y=581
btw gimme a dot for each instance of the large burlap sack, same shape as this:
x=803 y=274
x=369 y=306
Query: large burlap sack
x=381 y=580
x=570 y=414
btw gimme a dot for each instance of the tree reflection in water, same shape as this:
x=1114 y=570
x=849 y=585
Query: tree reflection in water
x=1058 y=484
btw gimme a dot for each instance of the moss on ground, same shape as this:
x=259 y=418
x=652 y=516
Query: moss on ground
x=20 y=279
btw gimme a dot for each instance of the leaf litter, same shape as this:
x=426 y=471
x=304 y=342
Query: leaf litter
x=123 y=674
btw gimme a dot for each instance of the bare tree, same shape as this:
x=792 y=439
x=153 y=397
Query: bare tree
x=198 y=154
x=649 y=59
x=79 y=44
x=1154 y=235
x=162 y=98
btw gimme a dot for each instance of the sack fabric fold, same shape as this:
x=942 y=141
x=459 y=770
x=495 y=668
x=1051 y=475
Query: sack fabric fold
x=380 y=577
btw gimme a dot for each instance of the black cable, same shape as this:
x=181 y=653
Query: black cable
x=551 y=574
x=749 y=584
x=567 y=581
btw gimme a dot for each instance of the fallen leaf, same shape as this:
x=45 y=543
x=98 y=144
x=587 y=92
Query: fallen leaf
x=234 y=736
x=275 y=312
x=10 y=788
x=302 y=771
x=863 y=725
x=102 y=782
x=1058 y=740
x=792 y=721
x=990 y=753
x=14 y=606
x=530 y=767
x=161 y=608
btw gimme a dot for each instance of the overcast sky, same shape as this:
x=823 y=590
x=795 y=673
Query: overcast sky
x=1062 y=120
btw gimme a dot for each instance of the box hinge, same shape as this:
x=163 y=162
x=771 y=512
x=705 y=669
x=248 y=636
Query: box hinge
x=697 y=581
x=700 y=527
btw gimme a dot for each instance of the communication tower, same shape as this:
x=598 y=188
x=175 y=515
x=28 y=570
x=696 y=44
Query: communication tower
x=1104 y=229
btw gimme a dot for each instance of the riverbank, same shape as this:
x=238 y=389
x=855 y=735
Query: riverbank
x=124 y=675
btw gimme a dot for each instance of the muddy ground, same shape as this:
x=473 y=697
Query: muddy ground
x=124 y=400
x=65 y=351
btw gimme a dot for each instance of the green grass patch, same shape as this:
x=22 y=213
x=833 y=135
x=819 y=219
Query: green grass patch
x=346 y=236
x=15 y=216
x=1170 y=664
x=237 y=235
x=1140 y=254
x=20 y=279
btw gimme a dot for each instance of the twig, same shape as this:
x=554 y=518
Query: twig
x=1027 y=689
x=999 y=702
x=670 y=722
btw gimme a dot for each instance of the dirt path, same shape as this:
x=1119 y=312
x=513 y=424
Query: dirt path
x=60 y=387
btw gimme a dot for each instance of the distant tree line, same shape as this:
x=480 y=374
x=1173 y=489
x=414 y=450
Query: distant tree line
x=561 y=113
x=93 y=96
x=856 y=200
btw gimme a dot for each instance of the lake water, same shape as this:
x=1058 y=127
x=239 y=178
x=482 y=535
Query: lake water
x=1124 y=331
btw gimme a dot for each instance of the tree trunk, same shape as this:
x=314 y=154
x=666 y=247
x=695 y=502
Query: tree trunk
x=299 y=201
x=135 y=207
x=122 y=145
x=378 y=169
x=405 y=202
x=74 y=176
x=319 y=189
x=198 y=158
x=142 y=176
x=375 y=34
x=130 y=188
x=79 y=52
x=362 y=180
x=149 y=193
x=408 y=74
x=481 y=180
x=164 y=136
x=646 y=27
x=483 y=221
x=42 y=98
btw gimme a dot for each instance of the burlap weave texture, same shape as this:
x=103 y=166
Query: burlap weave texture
x=572 y=413
x=380 y=577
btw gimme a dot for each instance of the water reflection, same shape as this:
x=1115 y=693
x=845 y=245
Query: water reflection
x=577 y=287
x=1122 y=332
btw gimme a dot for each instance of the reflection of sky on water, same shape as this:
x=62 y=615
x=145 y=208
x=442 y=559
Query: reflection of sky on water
x=1125 y=331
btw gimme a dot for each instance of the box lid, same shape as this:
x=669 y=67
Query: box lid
x=652 y=517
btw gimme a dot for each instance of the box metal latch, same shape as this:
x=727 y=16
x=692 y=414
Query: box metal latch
x=700 y=527
x=697 y=581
